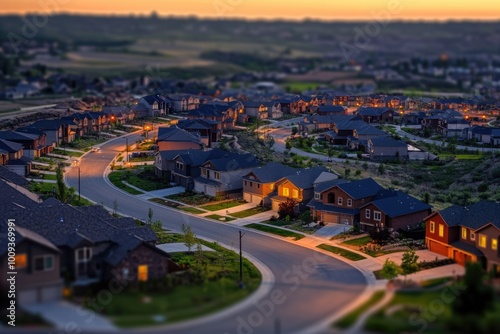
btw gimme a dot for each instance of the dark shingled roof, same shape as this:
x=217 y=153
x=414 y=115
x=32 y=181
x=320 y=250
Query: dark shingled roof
x=372 y=111
x=467 y=248
x=474 y=216
x=320 y=187
x=387 y=142
x=361 y=189
x=175 y=134
x=396 y=203
x=304 y=178
x=233 y=161
x=318 y=205
x=12 y=200
x=271 y=172
x=22 y=234
x=10 y=176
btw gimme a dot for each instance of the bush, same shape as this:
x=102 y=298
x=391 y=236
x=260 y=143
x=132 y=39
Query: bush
x=287 y=208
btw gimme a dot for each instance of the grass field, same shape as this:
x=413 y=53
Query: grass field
x=358 y=242
x=248 y=212
x=221 y=218
x=67 y=153
x=117 y=179
x=223 y=205
x=342 y=252
x=277 y=231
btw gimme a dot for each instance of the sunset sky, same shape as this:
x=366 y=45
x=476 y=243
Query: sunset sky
x=269 y=9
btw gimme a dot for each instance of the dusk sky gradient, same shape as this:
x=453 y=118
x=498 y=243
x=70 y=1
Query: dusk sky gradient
x=271 y=9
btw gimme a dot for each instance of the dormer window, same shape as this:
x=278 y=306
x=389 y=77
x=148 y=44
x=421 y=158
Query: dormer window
x=317 y=196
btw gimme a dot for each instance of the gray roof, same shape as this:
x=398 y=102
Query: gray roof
x=396 y=203
x=175 y=134
x=318 y=205
x=12 y=200
x=234 y=161
x=10 y=176
x=22 y=234
x=304 y=178
x=320 y=187
x=361 y=189
x=474 y=216
x=271 y=172
x=10 y=146
x=372 y=111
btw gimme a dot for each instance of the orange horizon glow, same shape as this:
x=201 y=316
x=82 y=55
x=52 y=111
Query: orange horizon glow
x=268 y=9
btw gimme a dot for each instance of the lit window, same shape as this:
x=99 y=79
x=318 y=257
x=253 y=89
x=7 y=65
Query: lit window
x=377 y=215
x=21 y=261
x=295 y=193
x=367 y=213
x=142 y=273
x=271 y=186
x=286 y=192
x=431 y=227
x=44 y=263
x=217 y=175
x=441 y=230
x=349 y=202
x=482 y=241
x=494 y=244
x=472 y=236
x=464 y=233
x=203 y=172
x=340 y=201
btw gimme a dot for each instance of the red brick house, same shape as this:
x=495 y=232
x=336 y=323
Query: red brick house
x=466 y=234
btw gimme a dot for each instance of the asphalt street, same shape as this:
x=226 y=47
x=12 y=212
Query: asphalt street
x=307 y=286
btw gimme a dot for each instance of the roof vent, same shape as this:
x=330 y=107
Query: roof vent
x=61 y=219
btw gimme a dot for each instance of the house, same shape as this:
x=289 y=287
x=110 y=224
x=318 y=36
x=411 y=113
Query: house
x=256 y=109
x=93 y=245
x=181 y=167
x=274 y=109
x=57 y=131
x=12 y=157
x=454 y=127
x=386 y=148
x=349 y=130
x=119 y=114
x=157 y=105
x=339 y=202
x=393 y=209
x=259 y=183
x=299 y=186
x=33 y=142
x=376 y=114
x=37 y=265
x=313 y=123
x=175 y=138
x=482 y=134
x=466 y=234
x=206 y=129
x=184 y=102
x=222 y=176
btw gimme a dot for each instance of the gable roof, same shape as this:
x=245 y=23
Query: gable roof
x=234 y=161
x=22 y=234
x=387 y=142
x=395 y=203
x=320 y=187
x=373 y=111
x=271 y=172
x=475 y=216
x=10 y=176
x=304 y=178
x=175 y=134
x=361 y=189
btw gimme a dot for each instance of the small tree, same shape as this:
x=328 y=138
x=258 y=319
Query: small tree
x=62 y=193
x=189 y=237
x=347 y=173
x=287 y=208
x=150 y=216
x=115 y=208
x=294 y=130
x=409 y=264
x=390 y=270
x=381 y=169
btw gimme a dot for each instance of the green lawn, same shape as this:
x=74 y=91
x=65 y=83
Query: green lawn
x=177 y=206
x=221 y=218
x=342 y=252
x=49 y=176
x=248 y=212
x=435 y=282
x=444 y=156
x=190 y=209
x=223 y=205
x=277 y=231
x=191 y=198
x=68 y=153
x=349 y=319
x=176 y=298
x=116 y=178
x=300 y=86
x=358 y=242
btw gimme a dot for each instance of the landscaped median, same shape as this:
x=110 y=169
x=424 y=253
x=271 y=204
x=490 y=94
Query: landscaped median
x=342 y=252
x=277 y=231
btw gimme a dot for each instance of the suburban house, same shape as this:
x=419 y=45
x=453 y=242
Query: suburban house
x=91 y=244
x=12 y=157
x=330 y=110
x=156 y=105
x=206 y=129
x=56 y=130
x=222 y=113
x=300 y=186
x=256 y=109
x=466 y=234
x=184 y=102
x=339 y=202
x=88 y=122
x=181 y=167
x=119 y=114
x=313 y=123
x=483 y=134
x=273 y=109
x=222 y=176
x=259 y=183
x=386 y=148
x=376 y=114
x=352 y=132
x=173 y=138
x=393 y=209
x=37 y=264
x=34 y=143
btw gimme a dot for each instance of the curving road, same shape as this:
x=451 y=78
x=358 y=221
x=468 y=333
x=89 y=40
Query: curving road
x=308 y=286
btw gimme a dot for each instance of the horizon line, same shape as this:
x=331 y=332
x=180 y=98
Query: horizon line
x=256 y=19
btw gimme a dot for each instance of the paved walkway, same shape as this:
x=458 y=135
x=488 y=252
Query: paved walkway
x=63 y=314
x=179 y=247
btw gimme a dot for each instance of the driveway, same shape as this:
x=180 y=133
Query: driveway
x=63 y=315
x=330 y=230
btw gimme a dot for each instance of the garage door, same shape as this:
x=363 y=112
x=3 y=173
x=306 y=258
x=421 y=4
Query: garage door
x=40 y=294
x=251 y=198
x=437 y=247
x=275 y=205
x=330 y=218
x=247 y=197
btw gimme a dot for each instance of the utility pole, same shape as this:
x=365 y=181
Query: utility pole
x=126 y=143
x=79 y=189
x=241 y=261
